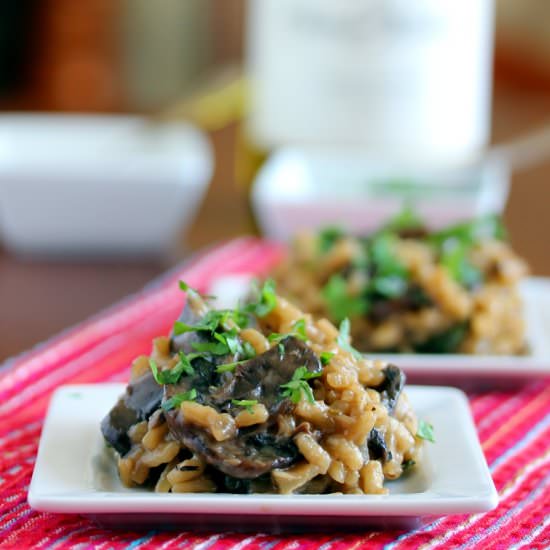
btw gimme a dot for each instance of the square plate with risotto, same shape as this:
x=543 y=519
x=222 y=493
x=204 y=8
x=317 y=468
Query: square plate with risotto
x=75 y=473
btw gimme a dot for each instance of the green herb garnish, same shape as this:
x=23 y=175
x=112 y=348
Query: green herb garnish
x=406 y=219
x=382 y=252
x=248 y=350
x=344 y=337
x=425 y=431
x=328 y=237
x=469 y=233
x=266 y=302
x=215 y=348
x=231 y=341
x=229 y=367
x=212 y=320
x=454 y=258
x=299 y=331
x=186 y=288
x=227 y=342
x=156 y=372
x=407 y=464
x=176 y=400
x=339 y=302
x=326 y=356
x=172 y=376
x=298 y=385
x=447 y=341
x=391 y=286
x=248 y=404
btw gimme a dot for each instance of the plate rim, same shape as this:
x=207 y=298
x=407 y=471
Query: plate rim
x=418 y=504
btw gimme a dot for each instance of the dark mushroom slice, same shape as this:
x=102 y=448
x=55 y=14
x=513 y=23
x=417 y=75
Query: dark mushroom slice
x=257 y=449
x=447 y=341
x=141 y=399
x=376 y=445
x=391 y=387
x=413 y=300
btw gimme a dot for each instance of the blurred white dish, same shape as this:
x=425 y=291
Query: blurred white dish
x=75 y=474
x=90 y=184
x=308 y=189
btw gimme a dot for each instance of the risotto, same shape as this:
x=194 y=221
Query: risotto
x=408 y=290
x=262 y=399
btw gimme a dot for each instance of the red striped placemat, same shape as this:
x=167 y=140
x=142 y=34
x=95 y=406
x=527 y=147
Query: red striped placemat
x=514 y=428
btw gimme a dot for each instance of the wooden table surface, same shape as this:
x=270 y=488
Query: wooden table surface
x=40 y=298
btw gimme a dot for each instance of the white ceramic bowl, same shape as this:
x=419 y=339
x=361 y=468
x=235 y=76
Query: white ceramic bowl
x=305 y=189
x=91 y=184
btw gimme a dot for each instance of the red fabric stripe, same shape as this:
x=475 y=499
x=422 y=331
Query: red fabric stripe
x=510 y=526
x=519 y=527
x=541 y=541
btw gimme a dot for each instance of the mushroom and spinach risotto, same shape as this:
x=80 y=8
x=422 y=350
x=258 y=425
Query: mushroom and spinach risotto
x=406 y=289
x=262 y=399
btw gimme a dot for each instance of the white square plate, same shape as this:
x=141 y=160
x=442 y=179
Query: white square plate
x=75 y=473
x=470 y=371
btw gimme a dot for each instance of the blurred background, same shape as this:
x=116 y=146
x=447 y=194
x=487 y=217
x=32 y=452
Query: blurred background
x=208 y=119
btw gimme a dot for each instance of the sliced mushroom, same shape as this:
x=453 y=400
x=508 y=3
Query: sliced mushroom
x=391 y=387
x=141 y=399
x=259 y=448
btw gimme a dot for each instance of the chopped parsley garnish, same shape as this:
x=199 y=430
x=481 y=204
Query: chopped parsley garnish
x=172 y=376
x=454 y=258
x=248 y=350
x=156 y=372
x=215 y=348
x=391 y=286
x=176 y=400
x=184 y=363
x=212 y=320
x=229 y=367
x=382 y=252
x=390 y=278
x=406 y=219
x=425 y=431
x=231 y=341
x=248 y=404
x=266 y=301
x=339 y=302
x=328 y=238
x=343 y=339
x=299 y=386
x=385 y=277
x=227 y=342
x=408 y=464
x=325 y=357
x=447 y=341
x=186 y=288
x=469 y=233
x=299 y=331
